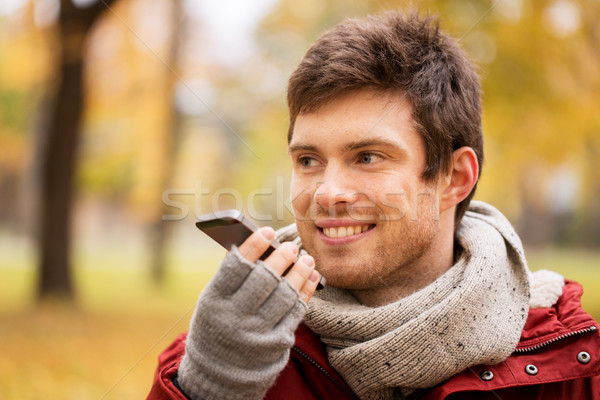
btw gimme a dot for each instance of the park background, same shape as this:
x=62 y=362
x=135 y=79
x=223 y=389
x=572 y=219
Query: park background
x=173 y=108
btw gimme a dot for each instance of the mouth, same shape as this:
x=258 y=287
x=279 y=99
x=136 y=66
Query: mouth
x=337 y=232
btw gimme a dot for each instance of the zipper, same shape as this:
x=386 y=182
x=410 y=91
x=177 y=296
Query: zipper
x=556 y=339
x=324 y=371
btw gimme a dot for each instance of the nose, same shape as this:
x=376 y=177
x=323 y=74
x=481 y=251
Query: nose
x=336 y=190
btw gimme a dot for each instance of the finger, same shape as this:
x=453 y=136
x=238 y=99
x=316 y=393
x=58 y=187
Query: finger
x=282 y=257
x=310 y=286
x=257 y=287
x=301 y=271
x=278 y=305
x=257 y=244
x=232 y=272
x=293 y=317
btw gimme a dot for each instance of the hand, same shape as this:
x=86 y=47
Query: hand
x=302 y=275
x=243 y=327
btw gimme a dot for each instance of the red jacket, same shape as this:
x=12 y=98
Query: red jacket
x=558 y=357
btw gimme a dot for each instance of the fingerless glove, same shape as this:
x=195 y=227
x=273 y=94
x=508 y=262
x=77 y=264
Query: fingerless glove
x=241 y=332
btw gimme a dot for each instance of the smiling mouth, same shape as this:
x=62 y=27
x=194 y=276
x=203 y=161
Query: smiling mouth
x=345 y=231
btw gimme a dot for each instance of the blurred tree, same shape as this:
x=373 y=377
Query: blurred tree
x=26 y=60
x=59 y=154
x=160 y=229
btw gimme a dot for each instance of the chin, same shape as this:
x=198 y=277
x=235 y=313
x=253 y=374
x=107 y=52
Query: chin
x=346 y=276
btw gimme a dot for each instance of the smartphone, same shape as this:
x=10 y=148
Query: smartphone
x=231 y=227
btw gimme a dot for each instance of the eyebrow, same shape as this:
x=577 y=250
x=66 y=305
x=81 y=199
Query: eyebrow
x=302 y=147
x=368 y=142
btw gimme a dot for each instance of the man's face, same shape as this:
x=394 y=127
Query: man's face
x=361 y=208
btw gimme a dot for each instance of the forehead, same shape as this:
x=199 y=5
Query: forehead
x=357 y=116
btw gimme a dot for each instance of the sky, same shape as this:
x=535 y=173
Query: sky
x=228 y=23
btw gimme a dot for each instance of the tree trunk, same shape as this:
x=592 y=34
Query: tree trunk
x=59 y=154
x=160 y=230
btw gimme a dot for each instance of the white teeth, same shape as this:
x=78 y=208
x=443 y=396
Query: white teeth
x=344 y=231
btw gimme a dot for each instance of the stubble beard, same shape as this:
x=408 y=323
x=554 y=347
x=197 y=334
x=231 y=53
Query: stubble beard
x=387 y=264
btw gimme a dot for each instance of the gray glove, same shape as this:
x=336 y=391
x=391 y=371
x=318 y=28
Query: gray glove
x=241 y=332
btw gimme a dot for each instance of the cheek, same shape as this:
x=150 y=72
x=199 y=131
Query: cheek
x=300 y=196
x=398 y=196
x=393 y=191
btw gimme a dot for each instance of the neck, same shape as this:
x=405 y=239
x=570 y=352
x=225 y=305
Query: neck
x=436 y=260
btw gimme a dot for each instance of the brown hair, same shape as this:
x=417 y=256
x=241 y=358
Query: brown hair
x=403 y=53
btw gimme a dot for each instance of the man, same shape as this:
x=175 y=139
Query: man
x=428 y=296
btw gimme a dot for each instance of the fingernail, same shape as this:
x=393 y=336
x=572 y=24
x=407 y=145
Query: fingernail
x=308 y=260
x=267 y=232
x=314 y=276
x=292 y=246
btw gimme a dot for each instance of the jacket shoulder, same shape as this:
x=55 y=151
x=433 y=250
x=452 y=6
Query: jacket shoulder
x=558 y=357
x=563 y=318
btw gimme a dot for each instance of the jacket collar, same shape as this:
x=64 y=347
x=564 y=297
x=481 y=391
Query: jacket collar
x=550 y=350
x=565 y=318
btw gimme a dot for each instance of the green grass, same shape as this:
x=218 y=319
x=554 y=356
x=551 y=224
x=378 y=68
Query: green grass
x=579 y=265
x=105 y=346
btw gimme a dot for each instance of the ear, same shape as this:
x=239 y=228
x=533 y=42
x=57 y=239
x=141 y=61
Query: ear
x=461 y=179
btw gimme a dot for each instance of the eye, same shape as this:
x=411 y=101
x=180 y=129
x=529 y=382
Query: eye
x=307 y=162
x=368 y=158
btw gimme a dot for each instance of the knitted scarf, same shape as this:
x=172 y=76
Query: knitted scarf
x=473 y=314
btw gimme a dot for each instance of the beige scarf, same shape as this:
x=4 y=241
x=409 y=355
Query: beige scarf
x=473 y=314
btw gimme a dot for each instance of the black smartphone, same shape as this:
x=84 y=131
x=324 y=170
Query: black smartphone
x=231 y=227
